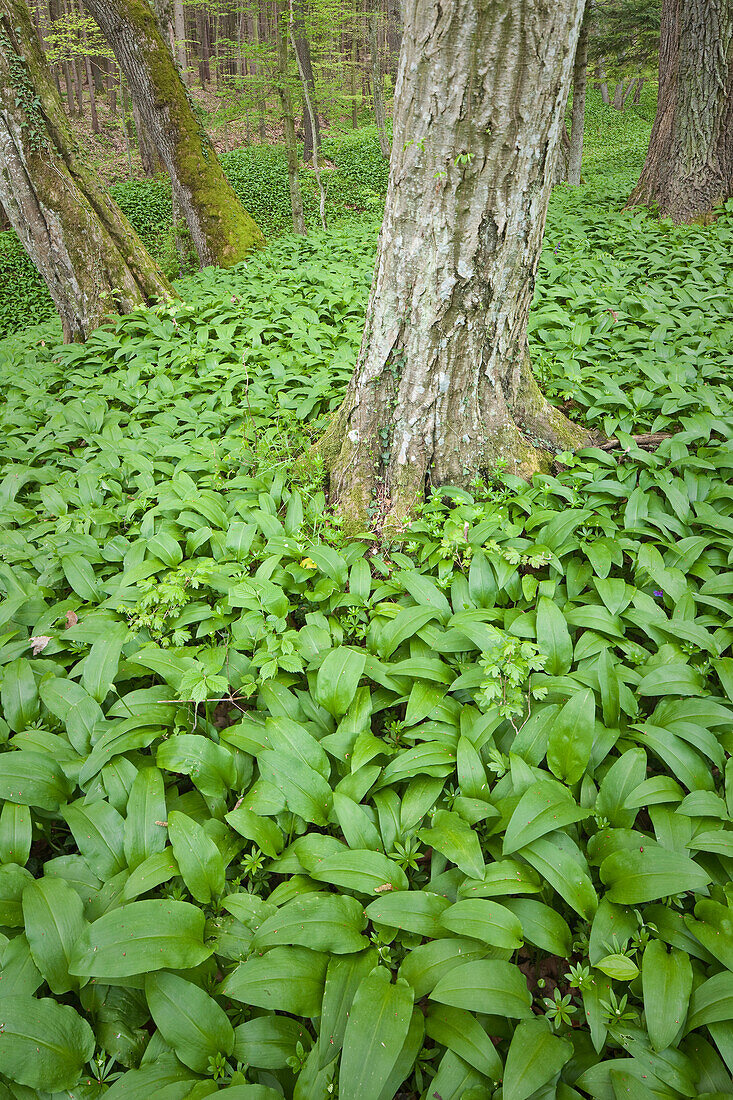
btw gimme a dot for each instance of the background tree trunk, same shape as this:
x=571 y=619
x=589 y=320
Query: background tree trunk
x=286 y=103
x=301 y=46
x=377 y=90
x=443 y=389
x=577 y=126
x=689 y=166
x=92 y=260
x=221 y=229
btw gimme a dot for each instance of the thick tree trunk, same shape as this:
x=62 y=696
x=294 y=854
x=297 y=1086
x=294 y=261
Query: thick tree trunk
x=222 y=231
x=443 y=390
x=377 y=92
x=90 y=257
x=580 y=83
x=689 y=165
x=286 y=104
x=301 y=46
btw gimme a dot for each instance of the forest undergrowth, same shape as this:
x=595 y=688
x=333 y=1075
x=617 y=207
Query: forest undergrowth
x=287 y=815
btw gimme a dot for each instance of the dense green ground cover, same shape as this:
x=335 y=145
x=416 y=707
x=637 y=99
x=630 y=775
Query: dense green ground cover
x=293 y=816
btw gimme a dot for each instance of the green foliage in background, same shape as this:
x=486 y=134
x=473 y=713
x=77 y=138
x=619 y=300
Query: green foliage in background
x=283 y=815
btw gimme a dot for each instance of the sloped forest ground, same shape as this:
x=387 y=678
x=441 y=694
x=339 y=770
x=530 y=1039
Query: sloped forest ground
x=289 y=816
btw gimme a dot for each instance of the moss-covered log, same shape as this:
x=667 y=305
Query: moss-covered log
x=89 y=255
x=443 y=388
x=222 y=231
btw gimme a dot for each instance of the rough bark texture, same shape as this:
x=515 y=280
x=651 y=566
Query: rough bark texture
x=580 y=83
x=443 y=388
x=222 y=231
x=90 y=257
x=689 y=166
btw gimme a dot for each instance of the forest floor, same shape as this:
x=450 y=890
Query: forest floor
x=247 y=761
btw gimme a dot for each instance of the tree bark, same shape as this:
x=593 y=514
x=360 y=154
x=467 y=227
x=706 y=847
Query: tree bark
x=443 y=390
x=688 y=170
x=179 y=40
x=302 y=49
x=92 y=260
x=286 y=104
x=577 y=125
x=602 y=84
x=377 y=91
x=637 y=94
x=222 y=231
x=92 y=95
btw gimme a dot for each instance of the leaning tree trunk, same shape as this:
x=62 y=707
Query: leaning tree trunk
x=577 y=126
x=92 y=260
x=443 y=390
x=689 y=165
x=222 y=231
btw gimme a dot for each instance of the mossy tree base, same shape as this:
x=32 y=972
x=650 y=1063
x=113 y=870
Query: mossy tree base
x=443 y=390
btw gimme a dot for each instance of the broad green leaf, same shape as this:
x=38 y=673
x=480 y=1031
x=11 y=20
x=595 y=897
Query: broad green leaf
x=210 y=766
x=675 y=678
x=489 y=985
x=306 y=792
x=322 y=922
x=16 y=833
x=343 y=977
x=141 y=937
x=559 y=860
x=31 y=778
x=338 y=678
x=461 y=1032
x=484 y=920
x=54 y=921
x=19 y=695
x=198 y=858
x=714 y=929
x=635 y=876
x=43 y=1045
x=99 y=834
x=288 y=979
x=712 y=1001
x=190 y=1021
x=617 y=966
x=535 y=1057
x=553 y=637
x=424 y=966
x=375 y=1033
x=268 y=1041
x=363 y=871
x=261 y=830
x=146 y=810
x=154 y=871
x=542 y=926
x=667 y=983
x=542 y=808
x=410 y=911
x=571 y=738
x=100 y=664
x=452 y=836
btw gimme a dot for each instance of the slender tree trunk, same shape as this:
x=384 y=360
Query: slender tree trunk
x=179 y=36
x=202 y=25
x=92 y=94
x=286 y=104
x=394 y=34
x=221 y=230
x=688 y=170
x=302 y=50
x=377 y=91
x=627 y=94
x=580 y=83
x=354 y=66
x=112 y=89
x=637 y=94
x=563 y=157
x=70 y=97
x=618 y=95
x=443 y=389
x=311 y=115
x=602 y=84
x=127 y=123
x=90 y=257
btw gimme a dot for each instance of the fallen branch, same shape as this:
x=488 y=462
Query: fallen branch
x=648 y=441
